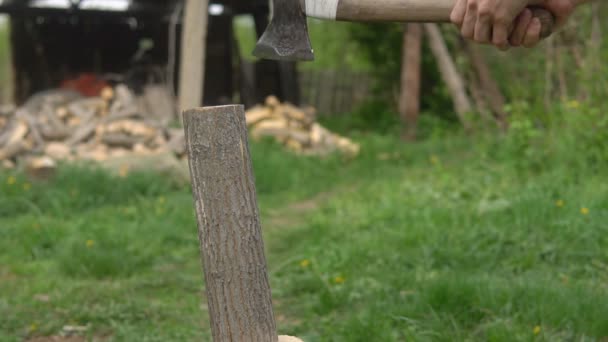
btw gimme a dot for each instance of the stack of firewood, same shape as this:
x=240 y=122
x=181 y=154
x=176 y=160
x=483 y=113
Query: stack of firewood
x=296 y=129
x=62 y=125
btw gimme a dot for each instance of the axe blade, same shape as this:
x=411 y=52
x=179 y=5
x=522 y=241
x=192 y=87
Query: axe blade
x=286 y=38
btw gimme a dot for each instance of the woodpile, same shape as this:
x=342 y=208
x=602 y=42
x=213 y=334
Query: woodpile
x=296 y=129
x=61 y=125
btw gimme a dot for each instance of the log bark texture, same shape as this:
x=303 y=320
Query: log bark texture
x=232 y=248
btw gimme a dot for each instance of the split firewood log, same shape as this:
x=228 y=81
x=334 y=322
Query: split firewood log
x=295 y=116
x=87 y=108
x=118 y=152
x=58 y=151
x=267 y=127
x=272 y=102
x=319 y=134
x=107 y=94
x=40 y=167
x=141 y=149
x=129 y=126
x=62 y=112
x=119 y=139
x=96 y=152
x=347 y=147
x=82 y=133
x=11 y=150
x=258 y=114
x=54 y=129
x=26 y=116
x=51 y=98
x=14 y=133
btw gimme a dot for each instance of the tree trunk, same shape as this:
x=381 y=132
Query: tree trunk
x=596 y=26
x=478 y=97
x=192 y=66
x=238 y=290
x=409 y=99
x=549 y=72
x=489 y=86
x=449 y=73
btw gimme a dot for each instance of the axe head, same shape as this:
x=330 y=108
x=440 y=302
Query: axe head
x=286 y=38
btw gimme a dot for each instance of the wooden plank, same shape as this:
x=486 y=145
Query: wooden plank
x=450 y=74
x=409 y=102
x=238 y=290
x=192 y=67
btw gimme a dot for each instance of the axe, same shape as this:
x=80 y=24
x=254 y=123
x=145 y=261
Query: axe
x=286 y=38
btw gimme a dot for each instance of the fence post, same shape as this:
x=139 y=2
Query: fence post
x=238 y=290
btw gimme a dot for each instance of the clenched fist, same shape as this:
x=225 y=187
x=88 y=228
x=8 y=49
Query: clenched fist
x=507 y=23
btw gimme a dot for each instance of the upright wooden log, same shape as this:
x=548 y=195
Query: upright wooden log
x=238 y=290
x=409 y=101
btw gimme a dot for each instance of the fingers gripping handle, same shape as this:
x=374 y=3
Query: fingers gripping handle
x=400 y=11
x=547 y=21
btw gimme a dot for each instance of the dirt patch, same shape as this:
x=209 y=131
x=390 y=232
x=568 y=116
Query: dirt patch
x=294 y=213
x=6 y=274
x=57 y=339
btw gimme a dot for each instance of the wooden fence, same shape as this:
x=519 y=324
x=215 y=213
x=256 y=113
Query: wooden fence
x=334 y=92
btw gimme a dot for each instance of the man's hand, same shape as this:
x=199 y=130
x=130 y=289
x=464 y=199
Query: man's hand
x=506 y=23
x=524 y=32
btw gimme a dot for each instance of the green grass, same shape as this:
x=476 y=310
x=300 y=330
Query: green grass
x=452 y=239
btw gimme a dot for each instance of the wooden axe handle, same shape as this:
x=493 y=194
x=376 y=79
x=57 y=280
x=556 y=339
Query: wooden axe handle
x=400 y=11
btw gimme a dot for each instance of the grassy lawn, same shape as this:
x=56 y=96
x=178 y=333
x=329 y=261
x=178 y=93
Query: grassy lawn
x=447 y=240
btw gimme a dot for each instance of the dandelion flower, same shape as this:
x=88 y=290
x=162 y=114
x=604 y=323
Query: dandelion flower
x=305 y=263
x=27 y=186
x=124 y=171
x=339 y=280
x=162 y=200
x=434 y=160
x=585 y=211
x=90 y=243
x=33 y=327
x=560 y=203
x=573 y=104
x=11 y=180
x=536 y=330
